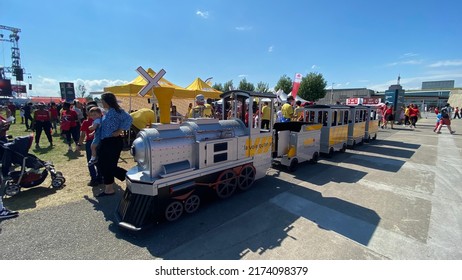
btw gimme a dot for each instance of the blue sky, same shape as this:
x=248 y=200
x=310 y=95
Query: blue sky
x=357 y=43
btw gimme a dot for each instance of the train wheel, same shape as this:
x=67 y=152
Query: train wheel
x=192 y=203
x=344 y=147
x=246 y=177
x=293 y=165
x=315 y=158
x=226 y=184
x=331 y=152
x=173 y=211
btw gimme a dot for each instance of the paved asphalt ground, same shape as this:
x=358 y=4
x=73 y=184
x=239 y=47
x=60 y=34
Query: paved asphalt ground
x=399 y=197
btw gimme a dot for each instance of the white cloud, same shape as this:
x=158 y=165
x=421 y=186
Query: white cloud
x=412 y=62
x=202 y=14
x=405 y=62
x=314 y=66
x=43 y=86
x=443 y=63
x=243 y=76
x=270 y=49
x=409 y=54
x=244 y=28
x=416 y=82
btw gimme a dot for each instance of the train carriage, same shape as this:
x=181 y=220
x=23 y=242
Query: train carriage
x=296 y=142
x=372 y=124
x=334 y=130
x=357 y=125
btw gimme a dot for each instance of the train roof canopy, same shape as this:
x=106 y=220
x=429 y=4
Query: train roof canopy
x=249 y=93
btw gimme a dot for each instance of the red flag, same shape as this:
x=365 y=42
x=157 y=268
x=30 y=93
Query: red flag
x=296 y=84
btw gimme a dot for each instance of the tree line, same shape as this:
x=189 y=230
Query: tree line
x=312 y=86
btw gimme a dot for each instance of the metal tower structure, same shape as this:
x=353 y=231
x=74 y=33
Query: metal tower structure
x=15 y=69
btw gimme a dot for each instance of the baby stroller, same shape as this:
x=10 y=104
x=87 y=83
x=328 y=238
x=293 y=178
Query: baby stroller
x=32 y=172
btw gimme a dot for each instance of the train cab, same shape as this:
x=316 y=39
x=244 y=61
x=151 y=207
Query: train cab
x=334 y=130
x=357 y=125
x=248 y=107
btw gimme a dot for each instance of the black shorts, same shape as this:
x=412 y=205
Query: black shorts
x=390 y=118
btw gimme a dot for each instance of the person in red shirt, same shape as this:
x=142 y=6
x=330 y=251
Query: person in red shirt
x=413 y=115
x=42 y=121
x=389 y=116
x=88 y=135
x=69 y=126
x=54 y=115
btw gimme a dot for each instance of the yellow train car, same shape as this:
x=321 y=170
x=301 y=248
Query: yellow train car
x=334 y=130
x=357 y=125
x=372 y=124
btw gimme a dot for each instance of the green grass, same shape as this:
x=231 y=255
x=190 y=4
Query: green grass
x=73 y=165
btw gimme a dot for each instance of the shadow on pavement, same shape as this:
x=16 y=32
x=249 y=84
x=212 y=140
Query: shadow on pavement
x=253 y=221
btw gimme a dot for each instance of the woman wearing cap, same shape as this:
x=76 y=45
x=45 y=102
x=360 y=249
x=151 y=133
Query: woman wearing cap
x=42 y=119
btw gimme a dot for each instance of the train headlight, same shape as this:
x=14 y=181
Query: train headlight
x=139 y=151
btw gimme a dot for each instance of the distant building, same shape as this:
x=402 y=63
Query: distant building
x=438 y=85
x=341 y=95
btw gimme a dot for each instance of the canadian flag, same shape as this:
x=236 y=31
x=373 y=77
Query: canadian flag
x=296 y=84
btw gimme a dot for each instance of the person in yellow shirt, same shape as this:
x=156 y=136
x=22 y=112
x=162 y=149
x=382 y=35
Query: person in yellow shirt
x=142 y=118
x=406 y=116
x=208 y=109
x=265 y=116
x=287 y=110
x=199 y=110
x=298 y=112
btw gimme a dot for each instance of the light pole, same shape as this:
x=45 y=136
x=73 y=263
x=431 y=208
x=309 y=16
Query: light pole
x=332 y=94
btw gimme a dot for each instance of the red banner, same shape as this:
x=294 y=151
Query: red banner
x=353 y=101
x=296 y=84
x=371 y=101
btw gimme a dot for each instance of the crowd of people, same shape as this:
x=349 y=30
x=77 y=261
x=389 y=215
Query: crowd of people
x=101 y=129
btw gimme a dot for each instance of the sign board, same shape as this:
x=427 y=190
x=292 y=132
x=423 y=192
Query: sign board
x=371 y=101
x=67 y=91
x=5 y=87
x=152 y=81
x=353 y=101
x=19 y=88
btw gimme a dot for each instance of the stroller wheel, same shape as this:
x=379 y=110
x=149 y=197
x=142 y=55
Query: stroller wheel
x=57 y=182
x=11 y=188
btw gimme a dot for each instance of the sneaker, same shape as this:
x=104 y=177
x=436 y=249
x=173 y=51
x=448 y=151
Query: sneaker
x=7 y=214
x=37 y=146
x=92 y=161
x=438 y=132
x=452 y=132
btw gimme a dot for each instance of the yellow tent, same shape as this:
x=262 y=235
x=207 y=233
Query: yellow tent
x=202 y=86
x=164 y=93
x=166 y=87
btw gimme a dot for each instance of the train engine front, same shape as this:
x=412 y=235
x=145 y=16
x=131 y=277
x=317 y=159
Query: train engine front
x=176 y=162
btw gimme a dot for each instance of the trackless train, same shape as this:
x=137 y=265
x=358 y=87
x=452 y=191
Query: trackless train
x=177 y=163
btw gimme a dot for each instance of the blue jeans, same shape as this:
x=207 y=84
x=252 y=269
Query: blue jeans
x=92 y=169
